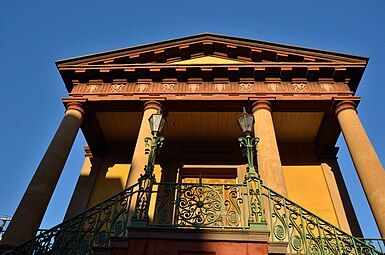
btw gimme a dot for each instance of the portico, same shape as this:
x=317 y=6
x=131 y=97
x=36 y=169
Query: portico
x=301 y=100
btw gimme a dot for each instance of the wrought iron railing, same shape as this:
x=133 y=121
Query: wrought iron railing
x=376 y=243
x=197 y=205
x=179 y=205
x=307 y=233
x=92 y=228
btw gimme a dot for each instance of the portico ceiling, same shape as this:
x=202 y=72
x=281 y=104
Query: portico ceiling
x=209 y=126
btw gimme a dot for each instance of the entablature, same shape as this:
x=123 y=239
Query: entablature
x=171 y=89
x=285 y=72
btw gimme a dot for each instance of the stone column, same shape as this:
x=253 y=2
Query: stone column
x=139 y=159
x=30 y=212
x=368 y=166
x=83 y=188
x=269 y=161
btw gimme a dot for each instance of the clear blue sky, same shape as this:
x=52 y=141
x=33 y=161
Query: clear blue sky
x=33 y=34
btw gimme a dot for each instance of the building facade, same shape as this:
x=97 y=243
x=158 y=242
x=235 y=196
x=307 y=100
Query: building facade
x=202 y=185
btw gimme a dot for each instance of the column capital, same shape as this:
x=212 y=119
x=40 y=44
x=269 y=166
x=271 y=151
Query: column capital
x=75 y=105
x=262 y=104
x=153 y=105
x=345 y=105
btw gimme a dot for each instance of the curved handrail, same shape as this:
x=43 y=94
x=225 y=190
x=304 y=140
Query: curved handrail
x=90 y=228
x=304 y=232
x=307 y=233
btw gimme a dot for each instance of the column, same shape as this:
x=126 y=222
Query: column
x=368 y=166
x=30 y=212
x=269 y=161
x=84 y=185
x=139 y=159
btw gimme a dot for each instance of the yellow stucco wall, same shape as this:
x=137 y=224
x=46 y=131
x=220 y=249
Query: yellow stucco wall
x=111 y=179
x=208 y=60
x=307 y=186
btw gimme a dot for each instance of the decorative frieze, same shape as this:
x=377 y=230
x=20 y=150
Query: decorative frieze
x=117 y=88
x=299 y=87
x=272 y=86
x=219 y=87
x=327 y=87
x=246 y=87
x=168 y=87
x=193 y=87
x=142 y=87
x=208 y=88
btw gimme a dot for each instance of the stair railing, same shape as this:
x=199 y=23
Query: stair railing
x=255 y=204
x=307 y=233
x=91 y=228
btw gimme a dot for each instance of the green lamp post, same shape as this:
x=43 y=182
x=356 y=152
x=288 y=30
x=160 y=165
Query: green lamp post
x=157 y=121
x=248 y=143
x=140 y=218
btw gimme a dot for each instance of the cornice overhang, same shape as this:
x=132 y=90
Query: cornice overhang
x=261 y=61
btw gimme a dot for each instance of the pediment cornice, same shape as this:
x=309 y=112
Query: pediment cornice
x=210 y=56
x=212 y=45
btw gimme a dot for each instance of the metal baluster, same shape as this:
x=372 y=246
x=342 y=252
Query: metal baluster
x=287 y=223
x=320 y=236
x=337 y=241
x=223 y=206
x=263 y=216
x=270 y=212
x=243 y=205
x=305 y=244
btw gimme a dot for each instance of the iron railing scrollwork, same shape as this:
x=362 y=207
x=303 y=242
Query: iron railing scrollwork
x=246 y=206
x=306 y=233
x=198 y=205
x=92 y=228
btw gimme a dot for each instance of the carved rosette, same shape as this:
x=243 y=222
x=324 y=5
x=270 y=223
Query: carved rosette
x=193 y=87
x=246 y=87
x=142 y=87
x=117 y=88
x=327 y=87
x=168 y=87
x=272 y=86
x=220 y=87
x=299 y=87
x=93 y=88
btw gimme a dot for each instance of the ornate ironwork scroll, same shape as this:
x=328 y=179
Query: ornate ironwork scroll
x=306 y=233
x=201 y=205
x=178 y=205
x=92 y=228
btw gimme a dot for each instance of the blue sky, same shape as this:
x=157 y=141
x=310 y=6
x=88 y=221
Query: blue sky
x=33 y=34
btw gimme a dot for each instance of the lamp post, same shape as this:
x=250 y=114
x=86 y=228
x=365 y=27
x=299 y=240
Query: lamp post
x=248 y=143
x=257 y=219
x=157 y=121
x=140 y=218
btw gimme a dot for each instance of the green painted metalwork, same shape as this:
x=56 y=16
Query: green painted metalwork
x=178 y=205
x=206 y=205
x=376 y=243
x=307 y=233
x=249 y=145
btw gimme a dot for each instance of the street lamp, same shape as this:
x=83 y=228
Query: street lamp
x=157 y=121
x=248 y=143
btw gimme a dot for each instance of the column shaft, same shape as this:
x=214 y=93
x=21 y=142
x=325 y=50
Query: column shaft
x=30 y=212
x=368 y=166
x=139 y=159
x=269 y=161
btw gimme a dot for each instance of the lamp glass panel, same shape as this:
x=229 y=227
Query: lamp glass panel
x=157 y=122
x=246 y=122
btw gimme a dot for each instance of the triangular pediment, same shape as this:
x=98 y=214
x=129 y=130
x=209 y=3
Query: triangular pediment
x=212 y=49
x=208 y=60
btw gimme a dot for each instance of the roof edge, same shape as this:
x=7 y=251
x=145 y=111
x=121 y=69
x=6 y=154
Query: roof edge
x=208 y=35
